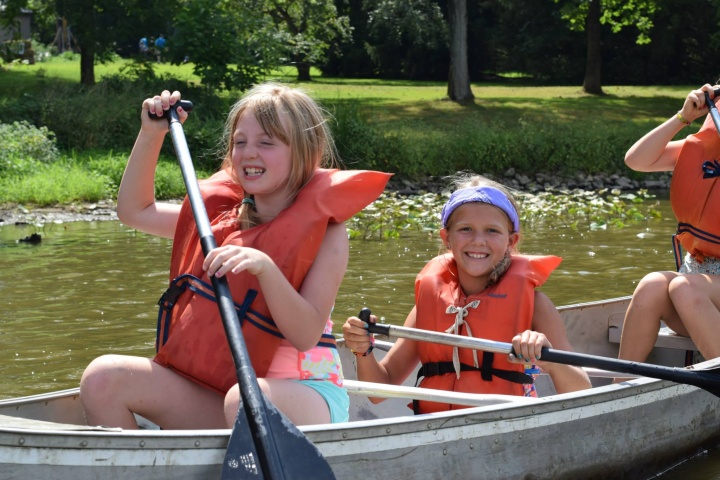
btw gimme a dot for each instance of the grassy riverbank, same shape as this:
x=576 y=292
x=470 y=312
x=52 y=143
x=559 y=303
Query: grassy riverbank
x=398 y=126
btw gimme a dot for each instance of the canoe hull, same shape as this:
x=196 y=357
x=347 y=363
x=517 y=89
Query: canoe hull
x=629 y=430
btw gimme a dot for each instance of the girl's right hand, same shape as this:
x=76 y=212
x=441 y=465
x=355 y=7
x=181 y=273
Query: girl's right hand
x=357 y=338
x=159 y=105
x=694 y=106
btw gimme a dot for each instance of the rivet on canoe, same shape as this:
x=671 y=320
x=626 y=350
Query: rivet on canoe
x=83 y=443
x=387 y=430
x=472 y=446
x=21 y=441
x=142 y=443
x=197 y=443
x=444 y=451
x=429 y=426
x=344 y=435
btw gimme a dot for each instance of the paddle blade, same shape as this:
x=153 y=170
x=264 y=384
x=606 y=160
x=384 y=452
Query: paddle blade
x=241 y=458
x=297 y=457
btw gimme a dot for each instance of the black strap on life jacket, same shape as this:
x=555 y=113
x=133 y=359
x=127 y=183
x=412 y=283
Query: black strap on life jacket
x=487 y=372
x=190 y=282
x=695 y=232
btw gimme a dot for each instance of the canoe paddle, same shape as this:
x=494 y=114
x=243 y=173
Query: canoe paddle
x=713 y=108
x=706 y=379
x=263 y=444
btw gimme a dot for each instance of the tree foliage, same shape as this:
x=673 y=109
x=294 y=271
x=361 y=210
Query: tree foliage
x=230 y=44
x=308 y=28
x=407 y=39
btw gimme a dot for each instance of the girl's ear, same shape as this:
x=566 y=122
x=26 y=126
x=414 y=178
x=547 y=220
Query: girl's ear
x=513 y=240
x=444 y=236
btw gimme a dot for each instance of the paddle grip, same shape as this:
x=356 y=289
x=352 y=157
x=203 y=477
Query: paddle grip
x=713 y=109
x=373 y=327
x=185 y=104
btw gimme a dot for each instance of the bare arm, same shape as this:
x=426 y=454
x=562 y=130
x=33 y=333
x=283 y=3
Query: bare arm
x=546 y=320
x=136 y=205
x=300 y=315
x=398 y=364
x=655 y=152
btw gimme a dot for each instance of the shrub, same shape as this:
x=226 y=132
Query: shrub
x=24 y=147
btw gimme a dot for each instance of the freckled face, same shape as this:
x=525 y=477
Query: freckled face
x=479 y=236
x=262 y=163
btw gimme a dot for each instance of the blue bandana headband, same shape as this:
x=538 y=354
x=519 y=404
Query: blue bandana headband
x=489 y=195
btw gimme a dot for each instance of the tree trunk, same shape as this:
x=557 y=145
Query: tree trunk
x=303 y=70
x=593 y=67
x=459 y=77
x=87 y=66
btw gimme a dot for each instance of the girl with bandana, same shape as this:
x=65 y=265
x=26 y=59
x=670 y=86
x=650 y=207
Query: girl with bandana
x=481 y=287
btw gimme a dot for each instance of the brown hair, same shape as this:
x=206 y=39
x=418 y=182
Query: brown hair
x=305 y=131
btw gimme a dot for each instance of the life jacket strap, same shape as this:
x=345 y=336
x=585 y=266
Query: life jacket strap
x=190 y=282
x=695 y=232
x=443 y=368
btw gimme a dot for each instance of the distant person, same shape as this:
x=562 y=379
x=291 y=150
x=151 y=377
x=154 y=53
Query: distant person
x=481 y=288
x=688 y=300
x=160 y=43
x=144 y=47
x=278 y=219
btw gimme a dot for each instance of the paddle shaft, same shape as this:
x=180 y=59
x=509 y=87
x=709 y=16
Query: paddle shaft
x=707 y=380
x=252 y=401
x=713 y=109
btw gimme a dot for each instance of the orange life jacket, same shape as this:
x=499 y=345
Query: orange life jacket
x=498 y=313
x=695 y=194
x=191 y=340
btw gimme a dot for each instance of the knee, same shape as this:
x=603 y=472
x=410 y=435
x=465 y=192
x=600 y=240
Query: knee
x=686 y=288
x=652 y=287
x=232 y=404
x=101 y=379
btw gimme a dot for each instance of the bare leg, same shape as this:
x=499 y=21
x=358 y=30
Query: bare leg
x=114 y=386
x=301 y=404
x=696 y=298
x=650 y=303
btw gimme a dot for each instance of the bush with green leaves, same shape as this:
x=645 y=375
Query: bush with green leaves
x=25 y=147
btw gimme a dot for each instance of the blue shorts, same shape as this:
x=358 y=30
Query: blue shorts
x=337 y=398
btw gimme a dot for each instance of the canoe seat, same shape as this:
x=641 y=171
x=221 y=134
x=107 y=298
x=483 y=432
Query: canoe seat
x=666 y=337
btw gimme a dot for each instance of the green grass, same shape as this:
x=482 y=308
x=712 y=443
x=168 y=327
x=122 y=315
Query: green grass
x=406 y=127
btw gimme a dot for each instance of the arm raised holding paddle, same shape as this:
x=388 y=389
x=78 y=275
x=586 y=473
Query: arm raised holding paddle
x=687 y=300
x=276 y=239
x=482 y=288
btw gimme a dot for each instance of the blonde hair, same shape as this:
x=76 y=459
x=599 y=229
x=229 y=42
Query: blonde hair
x=305 y=131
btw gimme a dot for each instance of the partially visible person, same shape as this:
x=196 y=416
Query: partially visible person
x=278 y=220
x=481 y=288
x=687 y=300
x=160 y=44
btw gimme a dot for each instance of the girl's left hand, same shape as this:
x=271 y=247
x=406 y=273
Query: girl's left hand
x=528 y=345
x=233 y=259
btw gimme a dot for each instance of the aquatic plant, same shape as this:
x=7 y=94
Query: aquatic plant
x=392 y=214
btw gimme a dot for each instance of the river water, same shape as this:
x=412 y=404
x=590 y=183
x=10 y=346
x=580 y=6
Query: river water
x=91 y=288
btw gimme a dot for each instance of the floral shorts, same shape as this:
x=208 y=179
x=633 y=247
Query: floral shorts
x=709 y=266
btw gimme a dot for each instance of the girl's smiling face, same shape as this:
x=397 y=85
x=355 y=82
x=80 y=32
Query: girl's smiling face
x=479 y=236
x=262 y=163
